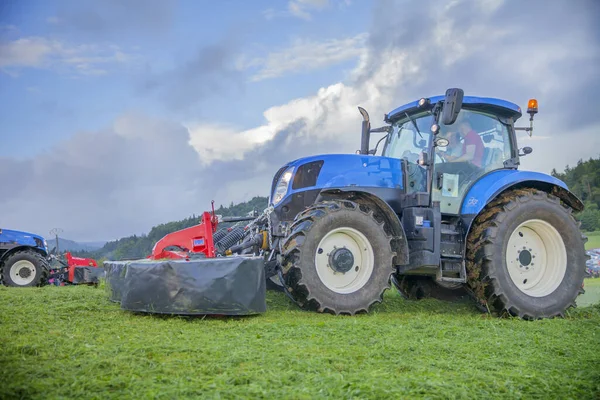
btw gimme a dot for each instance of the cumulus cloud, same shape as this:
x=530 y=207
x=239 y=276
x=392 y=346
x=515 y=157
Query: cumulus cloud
x=416 y=51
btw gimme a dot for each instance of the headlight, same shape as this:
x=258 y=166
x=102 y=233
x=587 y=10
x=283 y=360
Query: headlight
x=282 y=185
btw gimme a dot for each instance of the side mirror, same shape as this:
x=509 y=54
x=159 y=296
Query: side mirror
x=526 y=150
x=366 y=131
x=452 y=105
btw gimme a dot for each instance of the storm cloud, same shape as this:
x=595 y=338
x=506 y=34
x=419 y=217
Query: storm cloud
x=208 y=72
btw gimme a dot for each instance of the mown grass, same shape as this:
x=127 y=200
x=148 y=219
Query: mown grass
x=71 y=342
x=593 y=240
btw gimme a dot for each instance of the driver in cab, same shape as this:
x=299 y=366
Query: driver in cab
x=472 y=148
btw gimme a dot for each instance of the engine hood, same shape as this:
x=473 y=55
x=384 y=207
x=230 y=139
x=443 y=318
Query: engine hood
x=343 y=170
x=11 y=237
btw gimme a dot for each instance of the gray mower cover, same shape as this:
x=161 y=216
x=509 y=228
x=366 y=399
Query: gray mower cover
x=218 y=286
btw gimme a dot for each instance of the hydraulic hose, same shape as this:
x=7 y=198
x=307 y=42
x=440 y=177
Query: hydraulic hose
x=219 y=235
x=234 y=236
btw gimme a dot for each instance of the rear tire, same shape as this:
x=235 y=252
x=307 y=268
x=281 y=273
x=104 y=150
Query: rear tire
x=338 y=258
x=24 y=269
x=525 y=255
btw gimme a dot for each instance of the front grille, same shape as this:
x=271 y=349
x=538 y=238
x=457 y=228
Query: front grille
x=307 y=174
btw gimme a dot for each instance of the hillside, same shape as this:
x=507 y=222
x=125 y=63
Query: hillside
x=71 y=245
x=134 y=247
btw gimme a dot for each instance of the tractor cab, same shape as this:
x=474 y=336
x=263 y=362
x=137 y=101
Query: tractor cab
x=453 y=155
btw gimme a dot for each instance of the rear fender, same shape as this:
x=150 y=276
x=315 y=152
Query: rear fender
x=399 y=242
x=495 y=183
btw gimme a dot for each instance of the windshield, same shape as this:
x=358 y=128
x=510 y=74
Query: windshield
x=407 y=142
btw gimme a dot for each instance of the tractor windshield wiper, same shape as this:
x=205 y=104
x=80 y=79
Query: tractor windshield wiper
x=414 y=124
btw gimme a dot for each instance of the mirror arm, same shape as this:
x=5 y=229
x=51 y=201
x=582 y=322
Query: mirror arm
x=528 y=129
x=374 y=151
x=387 y=129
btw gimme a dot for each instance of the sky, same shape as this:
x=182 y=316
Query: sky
x=118 y=115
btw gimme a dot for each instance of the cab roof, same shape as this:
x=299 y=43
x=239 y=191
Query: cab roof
x=496 y=106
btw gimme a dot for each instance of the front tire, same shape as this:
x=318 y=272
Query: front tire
x=24 y=269
x=338 y=258
x=526 y=255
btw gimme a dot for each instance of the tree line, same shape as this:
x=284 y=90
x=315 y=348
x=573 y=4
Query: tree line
x=584 y=181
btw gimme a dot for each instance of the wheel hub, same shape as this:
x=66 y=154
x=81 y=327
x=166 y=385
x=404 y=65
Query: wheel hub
x=525 y=258
x=341 y=260
x=344 y=260
x=24 y=273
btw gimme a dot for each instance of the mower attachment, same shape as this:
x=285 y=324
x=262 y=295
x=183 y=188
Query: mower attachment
x=87 y=275
x=217 y=286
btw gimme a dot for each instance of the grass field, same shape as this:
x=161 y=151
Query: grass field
x=71 y=342
x=593 y=240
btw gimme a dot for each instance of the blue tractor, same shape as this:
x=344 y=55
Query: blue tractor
x=444 y=204
x=23 y=259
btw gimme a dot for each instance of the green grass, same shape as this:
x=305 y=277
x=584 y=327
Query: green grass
x=592 y=293
x=71 y=342
x=593 y=240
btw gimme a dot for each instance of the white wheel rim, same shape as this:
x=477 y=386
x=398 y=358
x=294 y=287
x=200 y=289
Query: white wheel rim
x=536 y=258
x=22 y=272
x=364 y=260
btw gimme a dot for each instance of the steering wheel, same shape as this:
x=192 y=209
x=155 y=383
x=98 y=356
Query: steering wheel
x=411 y=157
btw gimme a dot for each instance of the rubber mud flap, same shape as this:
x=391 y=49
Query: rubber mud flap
x=217 y=286
x=84 y=275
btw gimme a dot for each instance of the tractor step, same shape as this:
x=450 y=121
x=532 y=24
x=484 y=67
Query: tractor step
x=452 y=265
x=451 y=242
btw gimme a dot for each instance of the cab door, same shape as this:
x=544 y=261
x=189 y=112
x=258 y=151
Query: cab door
x=454 y=170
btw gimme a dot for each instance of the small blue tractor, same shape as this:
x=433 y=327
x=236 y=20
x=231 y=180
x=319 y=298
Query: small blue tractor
x=23 y=259
x=444 y=207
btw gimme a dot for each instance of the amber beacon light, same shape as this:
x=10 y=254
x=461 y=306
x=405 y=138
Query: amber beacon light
x=532 y=106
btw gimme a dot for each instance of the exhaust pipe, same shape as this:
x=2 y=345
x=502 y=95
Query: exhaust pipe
x=366 y=131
